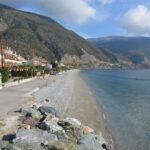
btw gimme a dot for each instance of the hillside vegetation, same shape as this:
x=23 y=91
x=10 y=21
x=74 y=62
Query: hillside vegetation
x=134 y=49
x=26 y=31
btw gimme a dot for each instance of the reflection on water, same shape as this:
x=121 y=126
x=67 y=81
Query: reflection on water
x=125 y=98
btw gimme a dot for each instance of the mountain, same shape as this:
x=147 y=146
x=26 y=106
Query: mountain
x=134 y=49
x=24 y=31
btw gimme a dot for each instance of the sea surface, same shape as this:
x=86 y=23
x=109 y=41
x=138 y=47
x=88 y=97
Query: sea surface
x=124 y=96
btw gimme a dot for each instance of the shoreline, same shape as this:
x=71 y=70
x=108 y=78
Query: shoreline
x=71 y=96
x=80 y=108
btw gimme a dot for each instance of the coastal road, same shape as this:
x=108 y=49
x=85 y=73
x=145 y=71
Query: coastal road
x=15 y=96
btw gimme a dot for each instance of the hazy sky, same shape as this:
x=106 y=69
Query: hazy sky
x=93 y=18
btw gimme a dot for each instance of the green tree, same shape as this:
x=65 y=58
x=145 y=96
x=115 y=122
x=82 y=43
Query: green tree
x=5 y=75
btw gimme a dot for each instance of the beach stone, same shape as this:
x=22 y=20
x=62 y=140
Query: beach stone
x=28 y=146
x=37 y=136
x=45 y=109
x=33 y=111
x=45 y=102
x=73 y=121
x=51 y=118
x=91 y=142
x=30 y=121
x=53 y=127
x=74 y=133
x=79 y=133
x=4 y=145
x=50 y=124
x=25 y=126
x=87 y=130
x=64 y=124
x=43 y=126
x=59 y=145
x=61 y=135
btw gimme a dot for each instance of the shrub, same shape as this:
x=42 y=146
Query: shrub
x=5 y=75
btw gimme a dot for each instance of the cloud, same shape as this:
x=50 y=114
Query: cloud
x=72 y=11
x=106 y=2
x=137 y=20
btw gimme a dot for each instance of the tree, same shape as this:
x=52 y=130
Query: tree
x=5 y=75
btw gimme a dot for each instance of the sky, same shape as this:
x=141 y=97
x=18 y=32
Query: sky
x=93 y=18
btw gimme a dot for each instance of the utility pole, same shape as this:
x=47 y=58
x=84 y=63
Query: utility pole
x=2 y=55
x=33 y=55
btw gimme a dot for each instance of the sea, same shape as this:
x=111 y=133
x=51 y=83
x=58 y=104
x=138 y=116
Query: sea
x=124 y=96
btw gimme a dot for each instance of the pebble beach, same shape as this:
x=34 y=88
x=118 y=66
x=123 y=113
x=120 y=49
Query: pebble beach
x=65 y=96
x=70 y=95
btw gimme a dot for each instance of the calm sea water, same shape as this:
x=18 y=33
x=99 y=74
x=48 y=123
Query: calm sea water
x=125 y=99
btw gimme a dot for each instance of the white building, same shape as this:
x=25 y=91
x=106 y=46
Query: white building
x=11 y=58
x=38 y=61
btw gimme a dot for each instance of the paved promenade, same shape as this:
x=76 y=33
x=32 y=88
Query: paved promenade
x=15 y=96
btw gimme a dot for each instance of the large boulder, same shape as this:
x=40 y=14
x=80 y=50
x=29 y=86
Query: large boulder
x=74 y=132
x=45 y=110
x=50 y=124
x=59 y=145
x=73 y=122
x=30 y=121
x=91 y=142
x=27 y=146
x=33 y=111
x=36 y=136
x=4 y=145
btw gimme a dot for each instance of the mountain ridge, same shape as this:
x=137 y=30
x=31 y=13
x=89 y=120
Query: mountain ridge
x=135 y=49
x=26 y=31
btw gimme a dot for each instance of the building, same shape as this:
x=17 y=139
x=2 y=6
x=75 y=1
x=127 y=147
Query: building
x=11 y=58
x=38 y=61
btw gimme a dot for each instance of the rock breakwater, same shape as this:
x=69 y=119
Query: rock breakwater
x=41 y=127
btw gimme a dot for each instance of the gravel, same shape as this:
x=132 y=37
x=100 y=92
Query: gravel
x=59 y=92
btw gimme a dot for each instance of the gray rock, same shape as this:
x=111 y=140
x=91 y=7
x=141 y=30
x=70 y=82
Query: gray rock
x=33 y=111
x=30 y=121
x=5 y=145
x=59 y=145
x=37 y=136
x=73 y=122
x=27 y=146
x=46 y=109
x=91 y=142
x=61 y=135
x=73 y=131
x=43 y=126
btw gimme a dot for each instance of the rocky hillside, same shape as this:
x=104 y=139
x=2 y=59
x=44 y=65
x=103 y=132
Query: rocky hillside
x=24 y=31
x=134 y=49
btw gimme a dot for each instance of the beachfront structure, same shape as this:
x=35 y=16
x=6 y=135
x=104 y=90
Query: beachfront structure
x=11 y=58
x=38 y=61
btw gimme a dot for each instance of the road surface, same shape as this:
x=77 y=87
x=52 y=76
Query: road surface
x=15 y=96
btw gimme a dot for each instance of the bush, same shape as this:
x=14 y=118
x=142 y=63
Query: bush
x=64 y=68
x=5 y=75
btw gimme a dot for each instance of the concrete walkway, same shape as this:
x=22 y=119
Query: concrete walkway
x=15 y=96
